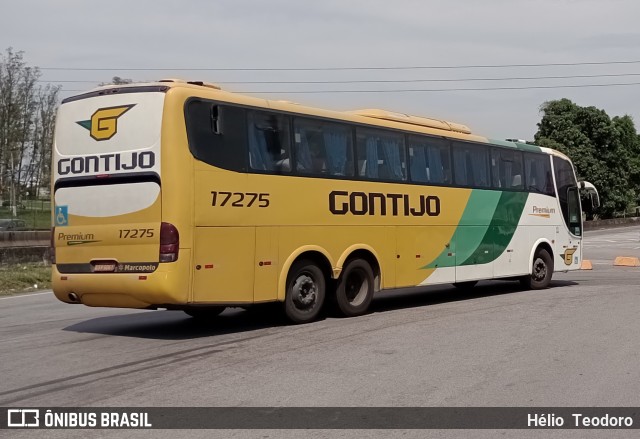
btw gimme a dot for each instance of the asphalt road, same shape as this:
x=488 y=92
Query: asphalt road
x=574 y=344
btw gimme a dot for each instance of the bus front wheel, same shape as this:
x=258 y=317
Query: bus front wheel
x=541 y=271
x=305 y=294
x=355 y=288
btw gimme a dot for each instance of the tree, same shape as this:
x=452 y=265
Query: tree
x=27 y=115
x=40 y=166
x=604 y=151
x=630 y=155
x=116 y=80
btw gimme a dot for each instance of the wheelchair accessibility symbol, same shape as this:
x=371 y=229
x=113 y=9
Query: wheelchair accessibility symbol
x=62 y=217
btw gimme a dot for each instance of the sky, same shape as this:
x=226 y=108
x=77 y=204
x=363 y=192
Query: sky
x=357 y=54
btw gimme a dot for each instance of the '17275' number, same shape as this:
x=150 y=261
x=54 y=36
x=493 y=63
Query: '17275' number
x=239 y=199
x=136 y=233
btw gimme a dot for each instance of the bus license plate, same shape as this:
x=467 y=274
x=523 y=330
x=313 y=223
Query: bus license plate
x=104 y=267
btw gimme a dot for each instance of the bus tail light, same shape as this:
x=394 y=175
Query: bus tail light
x=169 y=242
x=52 y=249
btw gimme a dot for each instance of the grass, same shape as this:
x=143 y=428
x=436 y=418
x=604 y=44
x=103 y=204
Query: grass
x=24 y=278
x=34 y=217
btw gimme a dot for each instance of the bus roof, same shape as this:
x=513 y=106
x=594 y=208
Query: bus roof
x=381 y=118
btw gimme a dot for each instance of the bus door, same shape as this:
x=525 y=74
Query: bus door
x=568 y=251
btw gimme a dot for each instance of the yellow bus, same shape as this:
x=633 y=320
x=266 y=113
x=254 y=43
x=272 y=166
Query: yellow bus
x=180 y=195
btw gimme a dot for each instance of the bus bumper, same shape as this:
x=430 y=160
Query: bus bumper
x=168 y=285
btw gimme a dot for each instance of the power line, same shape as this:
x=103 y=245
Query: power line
x=64 y=81
x=308 y=69
x=399 y=81
x=533 y=87
x=388 y=81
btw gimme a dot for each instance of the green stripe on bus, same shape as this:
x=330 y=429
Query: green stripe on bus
x=501 y=230
x=476 y=243
x=481 y=205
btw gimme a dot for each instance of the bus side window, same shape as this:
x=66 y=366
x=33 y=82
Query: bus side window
x=381 y=155
x=460 y=167
x=538 y=174
x=339 y=150
x=216 y=134
x=429 y=160
x=506 y=168
x=470 y=165
x=269 y=146
x=323 y=148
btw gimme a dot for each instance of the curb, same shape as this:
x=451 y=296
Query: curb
x=627 y=261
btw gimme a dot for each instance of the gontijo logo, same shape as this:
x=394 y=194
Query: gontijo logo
x=103 y=124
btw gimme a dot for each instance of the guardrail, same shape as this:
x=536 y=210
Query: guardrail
x=26 y=238
x=18 y=247
x=611 y=223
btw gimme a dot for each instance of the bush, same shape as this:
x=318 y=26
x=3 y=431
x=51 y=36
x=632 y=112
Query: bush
x=7 y=203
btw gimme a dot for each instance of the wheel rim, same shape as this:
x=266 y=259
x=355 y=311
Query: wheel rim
x=356 y=287
x=305 y=292
x=539 y=270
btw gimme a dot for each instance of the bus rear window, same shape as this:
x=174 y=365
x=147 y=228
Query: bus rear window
x=108 y=200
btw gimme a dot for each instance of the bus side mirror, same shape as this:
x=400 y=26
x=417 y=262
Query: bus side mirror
x=588 y=204
x=593 y=199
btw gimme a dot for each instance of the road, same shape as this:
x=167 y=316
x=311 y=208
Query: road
x=574 y=344
x=602 y=246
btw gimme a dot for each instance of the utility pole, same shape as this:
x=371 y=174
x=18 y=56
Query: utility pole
x=14 y=212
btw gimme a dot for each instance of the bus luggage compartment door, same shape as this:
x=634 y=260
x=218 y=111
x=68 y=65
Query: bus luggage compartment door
x=474 y=253
x=223 y=264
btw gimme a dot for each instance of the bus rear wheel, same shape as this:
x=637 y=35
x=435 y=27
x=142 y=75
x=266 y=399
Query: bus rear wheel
x=355 y=288
x=305 y=293
x=541 y=271
x=205 y=312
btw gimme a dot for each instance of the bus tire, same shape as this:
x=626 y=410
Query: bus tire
x=205 y=312
x=355 y=288
x=541 y=271
x=306 y=289
x=467 y=285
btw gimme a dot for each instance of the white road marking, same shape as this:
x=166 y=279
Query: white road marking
x=26 y=295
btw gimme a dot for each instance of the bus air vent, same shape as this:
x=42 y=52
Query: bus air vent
x=205 y=84
x=413 y=120
x=200 y=83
